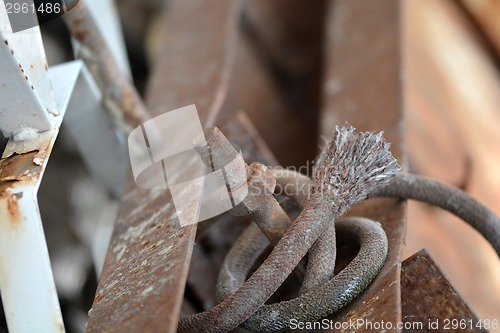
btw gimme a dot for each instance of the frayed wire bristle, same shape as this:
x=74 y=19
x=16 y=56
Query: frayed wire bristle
x=353 y=165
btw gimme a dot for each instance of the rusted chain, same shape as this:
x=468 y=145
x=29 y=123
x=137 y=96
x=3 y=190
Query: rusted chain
x=354 y=165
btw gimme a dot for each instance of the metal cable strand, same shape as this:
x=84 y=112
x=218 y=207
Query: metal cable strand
x=323 y=299
x=408 y=186
x=322 y=255
x=252 y=294
x=322 y=294
x=405 y=186
x=354 y=165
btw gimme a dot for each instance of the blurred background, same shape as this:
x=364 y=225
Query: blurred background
x=451 y=75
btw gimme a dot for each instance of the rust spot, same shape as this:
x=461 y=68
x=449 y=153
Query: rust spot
x=13 y=206
x=81 y=34
x=18 y=168
x=78 y=20
x=12 y=51
x=32 y=88
x=32 y=66
x=6 y=42
x=426 y=293
x=98 y=298
x=13 y=178
x=26 y=78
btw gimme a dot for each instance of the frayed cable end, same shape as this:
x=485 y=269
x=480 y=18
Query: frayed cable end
x=352 y=166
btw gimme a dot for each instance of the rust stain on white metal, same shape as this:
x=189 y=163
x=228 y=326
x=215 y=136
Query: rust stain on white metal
x=28 y=292
x=13 y=206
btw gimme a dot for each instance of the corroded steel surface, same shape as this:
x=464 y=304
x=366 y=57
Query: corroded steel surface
x=286 y=35
x=362 y=86
x=142 y=283
x=119 y=95
x=429 y=299
x=143 y=277
x=254 y=90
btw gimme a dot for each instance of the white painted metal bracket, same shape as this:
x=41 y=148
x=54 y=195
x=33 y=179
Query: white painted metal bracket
x=94 y=134
x=27 y=286
x=26 y=281
x=33 y=102
x=25 y=91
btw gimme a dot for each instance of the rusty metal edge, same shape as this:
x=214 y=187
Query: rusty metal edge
x=428 y=298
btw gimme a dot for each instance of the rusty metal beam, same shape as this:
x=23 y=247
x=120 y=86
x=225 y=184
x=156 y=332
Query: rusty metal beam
x=196 y=58
x=286 y=38
x=253 y=90
x=429 y=300
x=363 y=87
x=143 y=279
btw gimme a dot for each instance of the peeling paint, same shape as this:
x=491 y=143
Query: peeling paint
x=40 y=157
x=13 y=206
x=24 y=176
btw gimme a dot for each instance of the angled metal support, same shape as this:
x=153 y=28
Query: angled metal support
x=91 y=127
x=33 y=103
x=27 y=286
x=26 y=281
x=108 y=22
